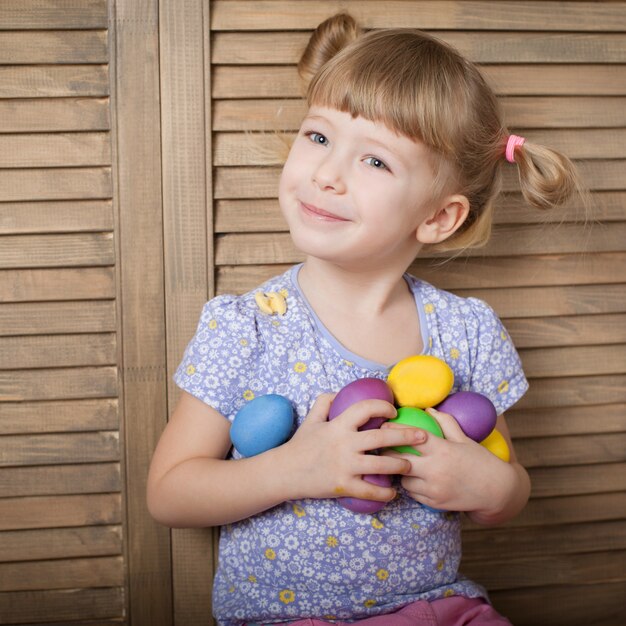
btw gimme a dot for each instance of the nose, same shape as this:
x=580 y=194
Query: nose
x=329 y=174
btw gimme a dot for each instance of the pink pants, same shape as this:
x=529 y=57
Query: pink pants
x=454 y=611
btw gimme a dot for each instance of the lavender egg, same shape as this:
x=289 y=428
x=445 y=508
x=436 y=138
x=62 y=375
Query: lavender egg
x=474 y=413
x=361 y=389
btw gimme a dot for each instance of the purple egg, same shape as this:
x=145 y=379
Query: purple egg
x=358 y=505
x=361 y=389
x=474 y=413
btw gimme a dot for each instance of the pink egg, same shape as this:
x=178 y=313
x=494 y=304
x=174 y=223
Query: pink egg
x=361 y=389
x=359 y=505
x=474 y=413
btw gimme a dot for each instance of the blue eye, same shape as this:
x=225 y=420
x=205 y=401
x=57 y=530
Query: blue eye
x=317 y=138
x=376 y=163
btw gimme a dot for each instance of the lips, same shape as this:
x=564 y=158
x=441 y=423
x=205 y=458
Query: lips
x=321 y=214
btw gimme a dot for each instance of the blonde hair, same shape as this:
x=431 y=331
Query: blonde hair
x=422 y=88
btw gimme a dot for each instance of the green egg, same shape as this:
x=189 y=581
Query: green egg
x=417 y=418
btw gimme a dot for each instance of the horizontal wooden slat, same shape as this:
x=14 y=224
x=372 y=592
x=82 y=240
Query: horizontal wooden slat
x=601 y=605
x=46 y=318
x=63 y=480
x=573 y=450
x=43 y=14
x=576 y=480
x=56 y=184
x=99 y=447
x=54 y=114
x=57 y=250
x=60 y=511
x=62 y=574
x=57 y=284
x=50 y=217
x=500 y=544
x=520 y=112
x=59 y=416
x=61 y=46
x=65 y=606
x=567 y=420
x=55 y=150
x=53 y=81
x=552 y=569
x=59 y=384
x=276 y=48
x=33 y=545
x=486 y=272
x=567 y=331
x=57 y=351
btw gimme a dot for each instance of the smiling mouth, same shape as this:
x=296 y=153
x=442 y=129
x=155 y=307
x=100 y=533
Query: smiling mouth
x=320 y=213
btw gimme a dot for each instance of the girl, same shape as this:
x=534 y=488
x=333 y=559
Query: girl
x=402 y=147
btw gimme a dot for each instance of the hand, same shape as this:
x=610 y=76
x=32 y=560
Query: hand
x=328 y=459
x=456 y=473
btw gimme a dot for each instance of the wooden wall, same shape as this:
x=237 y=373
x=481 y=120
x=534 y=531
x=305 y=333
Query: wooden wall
x=135 y=184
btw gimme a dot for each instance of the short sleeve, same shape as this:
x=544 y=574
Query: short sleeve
x=496 y=368
x=217 y=366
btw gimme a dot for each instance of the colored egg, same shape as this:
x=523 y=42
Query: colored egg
x=361 y=389
x=359 y=505
x=417 y=418
x=474 y=413
x=262 y=424
x=496 y=444
x=420 y=381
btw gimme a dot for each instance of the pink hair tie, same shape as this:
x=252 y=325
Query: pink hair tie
x=513 y=142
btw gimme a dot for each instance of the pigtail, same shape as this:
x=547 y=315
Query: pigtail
x=547 y=178
x=327 y=40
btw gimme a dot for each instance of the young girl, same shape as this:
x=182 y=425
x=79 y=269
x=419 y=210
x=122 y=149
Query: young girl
x=402 y=147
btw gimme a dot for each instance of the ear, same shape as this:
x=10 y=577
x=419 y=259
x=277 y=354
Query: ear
x=449 y=215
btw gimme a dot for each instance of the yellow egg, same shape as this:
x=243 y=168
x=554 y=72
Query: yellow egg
x=420 y=381
x=496 y=444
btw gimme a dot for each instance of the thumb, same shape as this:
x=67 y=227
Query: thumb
x=321 y=407
x=450 y=427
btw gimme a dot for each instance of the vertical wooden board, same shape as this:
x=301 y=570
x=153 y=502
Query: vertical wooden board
x=137 y=164
x=184 y=70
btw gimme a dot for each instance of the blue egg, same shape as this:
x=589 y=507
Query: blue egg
x=262 y=424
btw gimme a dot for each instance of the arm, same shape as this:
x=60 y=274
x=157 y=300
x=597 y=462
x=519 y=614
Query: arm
x=191 y=484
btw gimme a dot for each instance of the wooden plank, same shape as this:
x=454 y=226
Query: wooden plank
x=500 y=544
x=62 y=574
x=57 y=250
x=285 y=47
x=572 y=450
x=59 y=384
x=46 y=318
x=99 y=447
x=53 y=81
x=21 y=607
x=601 y=605
x=57 y=351
x=576 y=480
x=50 y=217
x=60 y=511
x=59 y=416
x=42 y=545
x=63 y=480
x=553 y=569
x=54 y=114
x=45 y=14
x=567 y=331
x=232 y=149
x=60 y=46
x=473 y=15
x=56 y=184
x=144 y=378
x=520 y=113
x=55 y=150
x=568 y=420
x=486 y=272
x=86 y=283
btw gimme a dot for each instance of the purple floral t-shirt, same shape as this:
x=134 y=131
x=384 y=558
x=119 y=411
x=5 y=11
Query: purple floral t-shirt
x=314 y=558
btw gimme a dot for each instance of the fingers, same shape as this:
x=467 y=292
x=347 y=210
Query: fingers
x=393 y=436
x=321 y=407
x=361 y=412
x=450 y=427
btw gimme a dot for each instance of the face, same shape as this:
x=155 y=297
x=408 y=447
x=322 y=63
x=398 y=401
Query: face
x=355 y=192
